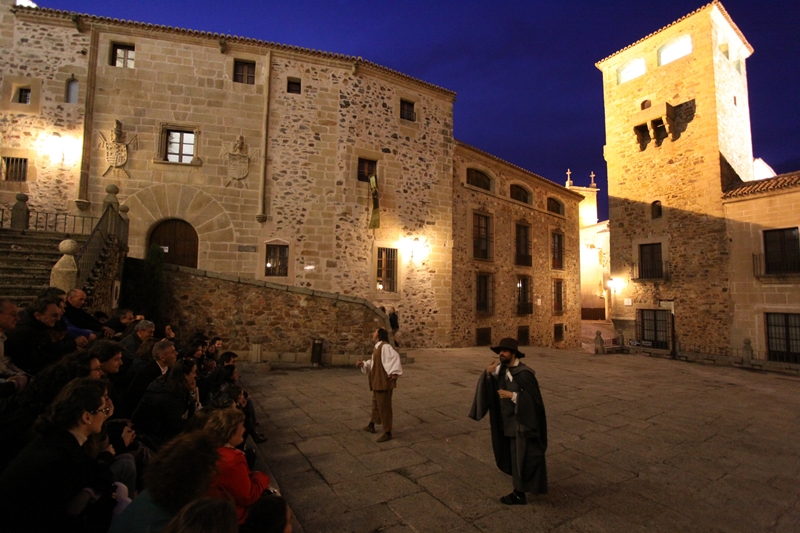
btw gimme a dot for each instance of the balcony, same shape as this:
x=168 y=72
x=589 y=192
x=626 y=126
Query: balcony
x=525 y=308
x=523 y=260
x=775 y=265
x=651 y=270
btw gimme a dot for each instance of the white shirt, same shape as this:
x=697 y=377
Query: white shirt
x=509 y=377
x=390 y=360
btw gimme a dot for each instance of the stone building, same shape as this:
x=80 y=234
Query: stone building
x=678 y=142
x=251 y=158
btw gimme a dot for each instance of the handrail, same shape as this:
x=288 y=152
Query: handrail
x=56 y=222
x=111 y=226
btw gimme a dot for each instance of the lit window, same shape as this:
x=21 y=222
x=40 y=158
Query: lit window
x=123 y=55
x=387 y=270
x=675 y=49
x=244 y=72
x=631 y=70
x=524 y=300
x=407 y=110
x=180 y=146
x=72 y=91
x=277 y=260
x=477 y=178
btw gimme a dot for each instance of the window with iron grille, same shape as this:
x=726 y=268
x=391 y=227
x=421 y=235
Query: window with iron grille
x=483 y=337
x=15 y=169
x=484 y=293
x=523 y=335
x=558 y=332
x=387 y=270
x=294 y=86
x=24 y=95
x=558 y=297
x=481 y=236
x=523 y=245
x=554 y=206
x=650 y=264
x=557 y=251
x=783 y=337
x=477 y=178
x=782 y=251
x=366 y=168
x=652 y=328
x=407 y=110
x=180 y=146
x=123 y=55
x=277 y=260
x=520 y=194
x=244 y=72
x=524 y=296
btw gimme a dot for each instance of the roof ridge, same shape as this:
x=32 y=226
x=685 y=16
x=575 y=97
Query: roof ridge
x=781 y=181
x=49 y=12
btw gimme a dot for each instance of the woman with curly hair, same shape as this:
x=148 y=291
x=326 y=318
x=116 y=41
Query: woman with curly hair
x=234 y=478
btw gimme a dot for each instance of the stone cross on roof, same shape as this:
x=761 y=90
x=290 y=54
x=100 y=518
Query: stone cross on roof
x=569 y=180
x=593 y=184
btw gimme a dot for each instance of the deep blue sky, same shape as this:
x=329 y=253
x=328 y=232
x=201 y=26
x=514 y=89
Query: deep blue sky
x=524 y=73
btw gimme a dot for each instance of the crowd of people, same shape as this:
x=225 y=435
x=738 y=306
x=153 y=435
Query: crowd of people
x=107 y=424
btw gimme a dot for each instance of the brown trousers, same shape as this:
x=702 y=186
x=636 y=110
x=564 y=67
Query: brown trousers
x=382 y=409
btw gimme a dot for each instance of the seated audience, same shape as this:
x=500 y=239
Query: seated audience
x=142 y=331
x=79 y=321
x=206 y=515
x=270 y=514
x=109 y=353
x=120 y=322
x=164 y=356
x=122 y=436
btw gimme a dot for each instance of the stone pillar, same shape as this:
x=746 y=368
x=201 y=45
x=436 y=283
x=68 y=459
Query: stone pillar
x=111 y=197
x=621 y=337
x=20 y=212
x=599 y=345
x=747 y=352
x=65 y=273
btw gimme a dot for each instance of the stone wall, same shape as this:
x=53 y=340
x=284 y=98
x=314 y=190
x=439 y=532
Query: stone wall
x=281 y=320
x=505 y=214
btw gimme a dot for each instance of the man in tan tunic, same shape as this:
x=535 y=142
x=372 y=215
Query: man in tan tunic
x=383 y=370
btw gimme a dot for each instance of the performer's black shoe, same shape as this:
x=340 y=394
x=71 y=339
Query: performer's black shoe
x=515 y=498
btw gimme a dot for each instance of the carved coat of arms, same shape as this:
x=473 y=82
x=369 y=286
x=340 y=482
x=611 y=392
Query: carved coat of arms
x=116 y=149
x=238 y=162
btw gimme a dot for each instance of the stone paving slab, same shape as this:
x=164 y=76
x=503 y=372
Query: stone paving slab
x=636 y=444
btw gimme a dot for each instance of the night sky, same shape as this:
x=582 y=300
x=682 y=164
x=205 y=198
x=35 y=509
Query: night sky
x=527 y=88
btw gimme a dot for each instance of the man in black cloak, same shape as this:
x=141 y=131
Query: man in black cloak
x=508 y=390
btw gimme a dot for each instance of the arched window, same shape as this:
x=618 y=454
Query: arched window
x=72 y=91
x=646 y=104
x=554 y=206
x=630 y=70
x=655 y=210
x=675 y=49
x=477 y=178
x=521 y=194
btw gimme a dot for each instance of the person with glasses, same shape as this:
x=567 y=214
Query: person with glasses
x=53 y=485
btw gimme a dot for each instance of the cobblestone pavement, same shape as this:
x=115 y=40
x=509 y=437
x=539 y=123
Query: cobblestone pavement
x=636 y=444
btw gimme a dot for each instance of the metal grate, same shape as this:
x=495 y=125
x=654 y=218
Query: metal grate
x=15 y=169
x=781 y=251
x=558 y=297
x=387 y=269
x=277 y=260
x=407 y=111
x=653 y=328
x=557 y=251
x=558 y=332
x=524 y=302
x=481 y=236
x=783 y=337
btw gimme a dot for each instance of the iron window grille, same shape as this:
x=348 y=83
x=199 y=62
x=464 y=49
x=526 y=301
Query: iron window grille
x=481 y=236
x=244 y=72
x=558 y=332
x=180 y=146
x=407 y=111
x=15 y=169
x=653 y=328
x=294 y=86
x=387 y=270
x=783 y=337
x=24 y=95
x=523 y=246
x=479 y=179
x=524 y=300
x=650 y=264
x=484 y=293
x=366 y=168
x=277 y=260
x=123 y=55
x=558 y=297
x=782 y=251
x=557 y=251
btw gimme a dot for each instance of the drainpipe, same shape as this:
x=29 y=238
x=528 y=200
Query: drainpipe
x=263 y=189
x=86 y=156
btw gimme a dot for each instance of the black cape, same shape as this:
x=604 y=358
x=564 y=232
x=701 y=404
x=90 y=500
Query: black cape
x=529 y=422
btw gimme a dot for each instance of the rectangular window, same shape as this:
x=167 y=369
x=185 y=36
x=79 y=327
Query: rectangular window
x=650 y=264
x=782 y=251
x=783 y=337
x=524 y=300
x=244 y=72
x=294 y=86
x=15 y=169
x=180 y=146
x=366 y=168
x=652 y=328
x=387 y=270
x=523 y=336
x=523 y=242
x=558 y=297
x=277 y=260
x=481 y=236
x=24 y=96
x=558 y=332
x=557 y=251
x=483 y=337
x=407 y=110
x=123 y=55
x=484 y=293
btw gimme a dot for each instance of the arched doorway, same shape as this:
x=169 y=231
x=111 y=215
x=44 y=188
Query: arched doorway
x=179 y=241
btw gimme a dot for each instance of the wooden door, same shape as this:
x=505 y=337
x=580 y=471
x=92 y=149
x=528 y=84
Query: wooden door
x=179 y=241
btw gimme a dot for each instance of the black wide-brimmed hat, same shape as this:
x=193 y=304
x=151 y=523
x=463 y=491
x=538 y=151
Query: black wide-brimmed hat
x=508 y=344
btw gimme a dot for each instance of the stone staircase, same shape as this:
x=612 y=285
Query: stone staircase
x=26 y=258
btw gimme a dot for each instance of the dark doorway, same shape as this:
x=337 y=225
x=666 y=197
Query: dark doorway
x=179 y=241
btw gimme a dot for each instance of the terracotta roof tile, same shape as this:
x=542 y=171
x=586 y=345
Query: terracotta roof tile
x=782 y=181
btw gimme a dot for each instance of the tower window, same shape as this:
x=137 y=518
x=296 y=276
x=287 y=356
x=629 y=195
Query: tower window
x=646 y=104
x=407 y=110
x=631 y=70
x=72 y=91
x=675 y=49
x=294 y=86
x=123 y=55
x=244 y=72
x=655 y=210
x=24 y=95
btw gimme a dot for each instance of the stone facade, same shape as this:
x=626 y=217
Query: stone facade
x=678 y=134
x=504 y=214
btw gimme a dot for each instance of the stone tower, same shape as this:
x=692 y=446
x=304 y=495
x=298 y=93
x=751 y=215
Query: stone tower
x=677 y=136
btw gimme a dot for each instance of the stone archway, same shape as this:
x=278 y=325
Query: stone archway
x=157 y=203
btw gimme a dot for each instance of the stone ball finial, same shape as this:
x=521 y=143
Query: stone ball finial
x=747 y=342
x=21 y=197
x=112 y=189
x=69 y=247
x=124 y=209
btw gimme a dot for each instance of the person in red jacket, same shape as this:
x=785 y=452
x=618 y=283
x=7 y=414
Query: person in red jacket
x=234 y=479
